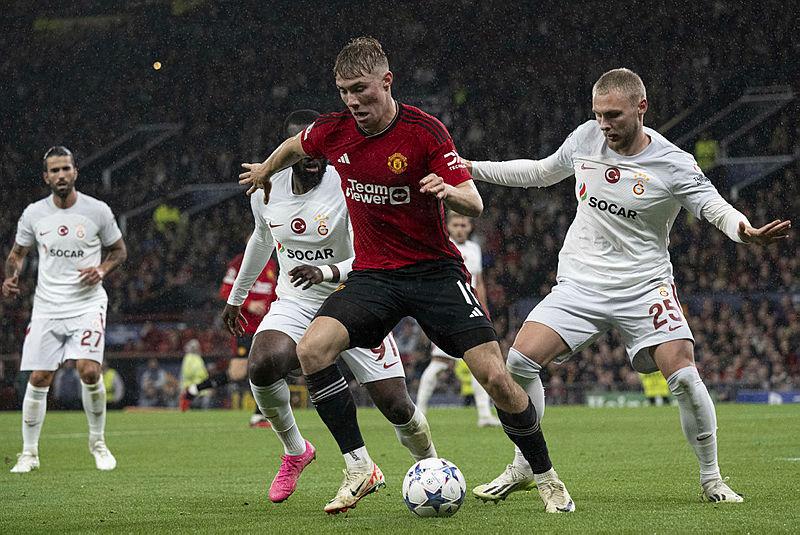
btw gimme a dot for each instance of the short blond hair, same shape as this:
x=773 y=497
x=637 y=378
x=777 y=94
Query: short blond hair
x=623 y=80
x=362 y=55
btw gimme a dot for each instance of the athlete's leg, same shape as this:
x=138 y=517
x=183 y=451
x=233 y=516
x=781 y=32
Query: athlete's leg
x=535 y=346
x=271 y=358
x=427 y=382
x=93 y=394
x=392 y=399
x=675 y=359
x=34 y=408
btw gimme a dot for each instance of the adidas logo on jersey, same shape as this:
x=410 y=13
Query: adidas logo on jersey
x=344 y=159
x=476 y=313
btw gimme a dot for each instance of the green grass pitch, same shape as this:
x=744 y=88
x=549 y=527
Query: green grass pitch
x=629 y=470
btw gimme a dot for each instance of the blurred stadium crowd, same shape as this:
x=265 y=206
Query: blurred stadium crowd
x=508 y=83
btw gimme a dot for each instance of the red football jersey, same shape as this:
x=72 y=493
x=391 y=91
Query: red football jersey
x=263 y=290
x=394 y=225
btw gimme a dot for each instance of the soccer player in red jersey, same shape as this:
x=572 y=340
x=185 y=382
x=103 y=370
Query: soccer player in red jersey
x=399 y=168
x=255 y=307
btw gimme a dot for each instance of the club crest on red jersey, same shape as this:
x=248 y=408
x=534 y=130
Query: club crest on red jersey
x=398 y=163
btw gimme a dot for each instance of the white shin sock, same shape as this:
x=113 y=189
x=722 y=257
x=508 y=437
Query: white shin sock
x=427 y=383
x=525 y=373
x=416 y=436
x=274 y=403
x=698 y=419
x=34 y=407
x=94 y=405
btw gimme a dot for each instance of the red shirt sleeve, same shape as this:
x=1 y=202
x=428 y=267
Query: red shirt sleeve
x=313 y=137
x=445 y=161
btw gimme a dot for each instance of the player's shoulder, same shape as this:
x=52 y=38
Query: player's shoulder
x=37 y=208
x=330 y=120
x=93 y=204
x=669 y=155
x=423 y=123
x=588 y=129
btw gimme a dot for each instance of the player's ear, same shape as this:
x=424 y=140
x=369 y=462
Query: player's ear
x=642 y=108
x=387 y=80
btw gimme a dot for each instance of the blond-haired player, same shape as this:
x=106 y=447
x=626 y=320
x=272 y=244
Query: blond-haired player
x=614 y=270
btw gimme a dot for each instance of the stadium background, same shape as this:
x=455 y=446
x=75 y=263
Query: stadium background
x=162 y=147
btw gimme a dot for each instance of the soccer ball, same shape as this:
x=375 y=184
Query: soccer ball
x=434 y=487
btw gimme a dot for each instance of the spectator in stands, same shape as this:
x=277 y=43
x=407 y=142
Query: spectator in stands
x=193 y=371
x=115 y=387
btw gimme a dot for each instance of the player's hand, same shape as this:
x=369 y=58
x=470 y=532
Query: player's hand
x=233 y=320
x=769 y=233
x=257 y=308
x=310 y=275
x=91 y=275
x=434 y=185
x=258 y=178
x=468 y=163
x=11 y=286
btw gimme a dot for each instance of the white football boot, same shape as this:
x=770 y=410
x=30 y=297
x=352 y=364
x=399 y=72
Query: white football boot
x=511 y=480
x=26 y=461
x=102 y=457
x=355 y=486
x=718 y=491
x=555 y=496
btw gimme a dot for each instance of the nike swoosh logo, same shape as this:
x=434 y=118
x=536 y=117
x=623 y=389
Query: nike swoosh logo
x=43 y=233
x=671 y=328
x=583 y=166
x=704 y=438
x=387 y=366
x=273 y=226
x=355 y=492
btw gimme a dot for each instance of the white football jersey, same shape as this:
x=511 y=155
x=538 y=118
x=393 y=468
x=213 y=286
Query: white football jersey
x=312 y=228
x=67 y=240
x=471 y=253
x=626 y=206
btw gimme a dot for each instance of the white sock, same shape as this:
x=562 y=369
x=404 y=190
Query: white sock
x=525 y=373
x=274 y=403
x=427 y=383
x=416 y=436
x=698 y=419
x=94 y=405
x=482 y=402
x=34 y=407
x=358 y=458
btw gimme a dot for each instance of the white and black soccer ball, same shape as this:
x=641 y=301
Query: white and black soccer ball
x=434 y=487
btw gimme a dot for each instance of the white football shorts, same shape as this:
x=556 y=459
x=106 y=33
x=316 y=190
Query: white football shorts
x=436 y=351
x=368 y=365
x=51 y=341
x=645 y=316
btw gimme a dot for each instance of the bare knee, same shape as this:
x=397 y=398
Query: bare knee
x=314 y=356
x=89 y=371
x=264 y=368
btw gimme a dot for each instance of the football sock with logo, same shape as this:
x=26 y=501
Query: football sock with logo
x=273 y=402
x=416 y=436
x=94 y=405
x=482 y=402
x=214 y=381
x=698 y=419
x=524 y=431
x=427 y=383
x=34 y=407
x=525 y=373
x=335 y=405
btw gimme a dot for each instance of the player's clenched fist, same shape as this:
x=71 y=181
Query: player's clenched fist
x=258 y=178
x=11 y=286
x=434 y=185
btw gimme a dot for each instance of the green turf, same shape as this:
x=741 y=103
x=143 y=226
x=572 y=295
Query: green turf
x=629 y=470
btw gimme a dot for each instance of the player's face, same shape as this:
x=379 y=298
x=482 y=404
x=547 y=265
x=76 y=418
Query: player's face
x=620 y=119
x=60 y=175
x=308 y=171
x=369 y=98
x=459 y=229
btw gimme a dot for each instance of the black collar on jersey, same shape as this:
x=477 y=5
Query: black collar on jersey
x=388 y=128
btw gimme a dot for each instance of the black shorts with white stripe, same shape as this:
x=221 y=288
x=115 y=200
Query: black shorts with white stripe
x=435 y=293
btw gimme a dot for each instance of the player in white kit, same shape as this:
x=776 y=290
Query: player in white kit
x=68 y=321
x=459 y=227
x=614 y=270
x=307 y=222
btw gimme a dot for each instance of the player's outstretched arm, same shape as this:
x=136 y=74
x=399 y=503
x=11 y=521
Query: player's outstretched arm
x=520 y=173
x=769 y=233
x=258 y=174
x=463 y=198
x=12 y=269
